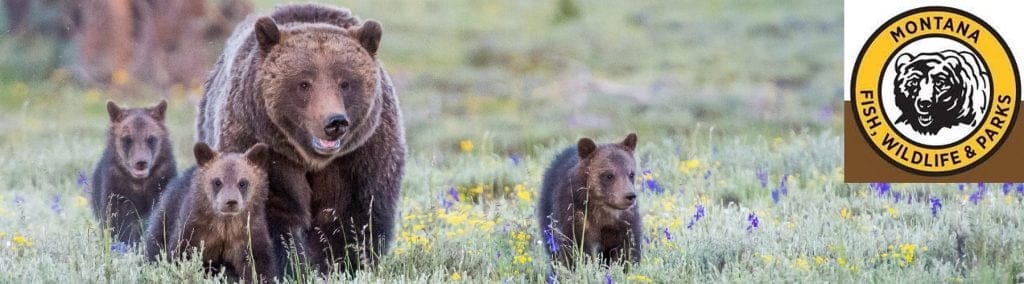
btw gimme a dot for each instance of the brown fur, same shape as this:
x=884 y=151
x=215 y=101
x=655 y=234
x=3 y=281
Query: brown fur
x=587 y=203
x=135 y=168
x=278 y=82
x=198 y=213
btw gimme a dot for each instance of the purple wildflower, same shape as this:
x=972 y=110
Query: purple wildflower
x=18 y=199
x=454 y=193
x=515 y=158
x=882 y=187
x=650 y=183
x=896 y=196
x=775 y=196
x=445 y=203
x=754 y=222
x=976 y=197
x=936 y=205
x=982 y=186
x=1020 y=188
x=762 y=176
x=1006 y=188
x=782 y=185
x=119 y=247
x=55 y=205
x=81 y=180
x=707 y=174
x=668 y=235
x=960 y=187
x=696 y=216
x=551 y=278
x=608 y=279
x=550 y=239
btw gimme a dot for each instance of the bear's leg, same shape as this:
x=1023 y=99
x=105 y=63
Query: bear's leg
x=379 y=188
x=287 y=210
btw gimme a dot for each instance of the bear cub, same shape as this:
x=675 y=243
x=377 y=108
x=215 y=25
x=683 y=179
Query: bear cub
x=135 y=168
x=588 y=203
x=218 y=206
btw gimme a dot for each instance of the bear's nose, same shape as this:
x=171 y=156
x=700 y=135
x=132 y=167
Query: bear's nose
x=631 y=196
x=335 y=126
x=231 y=204
x=141 y=165
x=924 y=105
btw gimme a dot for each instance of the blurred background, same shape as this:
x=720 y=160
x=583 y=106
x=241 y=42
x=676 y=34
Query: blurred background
x=517 y=72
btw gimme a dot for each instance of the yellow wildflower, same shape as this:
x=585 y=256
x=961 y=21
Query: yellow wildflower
x=466 y=145
x=845 y=213
x=907 y=250
x=818 y=260
x=456 y=276
x=80 y=201
x=522 y=259
x=687 y=166
x=801 y=263
x=20 y=241
x=639 y=278
x=522 y=193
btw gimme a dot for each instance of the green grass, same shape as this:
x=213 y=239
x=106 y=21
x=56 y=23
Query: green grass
x=716 y=91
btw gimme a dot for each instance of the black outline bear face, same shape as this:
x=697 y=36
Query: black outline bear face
x=941 y=90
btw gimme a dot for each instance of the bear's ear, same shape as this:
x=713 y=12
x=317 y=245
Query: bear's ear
x=585 y=147
x=368 y=36
x=630 y=142
x=258 y=154
x=203 y=154
x=115 y=112
x=902 y=60
x=267 y=33
x=157 y=112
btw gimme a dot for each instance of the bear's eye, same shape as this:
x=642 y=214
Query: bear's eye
x=151 y=141
x=607 y=176
x=632 y=176
x=242 y=184
x=217 y=183
x=344 y=85
x=127 y=141
x=305 y=85
x=912 y=83
x=942 y=85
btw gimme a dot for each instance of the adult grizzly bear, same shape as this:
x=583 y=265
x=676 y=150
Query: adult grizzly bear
x=306 y=81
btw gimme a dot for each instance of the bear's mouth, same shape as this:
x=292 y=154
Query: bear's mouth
x=139 y=173
x=925 y=120
x=326 y=147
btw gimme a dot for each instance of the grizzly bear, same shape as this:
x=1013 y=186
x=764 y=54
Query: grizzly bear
x=588 y=203
x=307 y=82
x=134 y=169
x=218 y=207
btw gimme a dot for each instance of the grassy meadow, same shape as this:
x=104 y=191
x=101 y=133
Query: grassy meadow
x=736 y=105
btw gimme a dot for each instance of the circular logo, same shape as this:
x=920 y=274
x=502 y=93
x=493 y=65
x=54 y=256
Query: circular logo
x=935 y=91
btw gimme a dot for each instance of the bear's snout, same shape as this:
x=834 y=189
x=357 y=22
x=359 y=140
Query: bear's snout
x=335 y=126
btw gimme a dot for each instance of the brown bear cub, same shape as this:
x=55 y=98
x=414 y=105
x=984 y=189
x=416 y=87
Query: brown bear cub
x=218 y=207
x=588 y=203
x=135 y=168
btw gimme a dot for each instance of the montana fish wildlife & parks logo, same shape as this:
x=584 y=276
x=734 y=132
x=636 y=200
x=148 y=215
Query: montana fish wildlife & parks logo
x=935 y=91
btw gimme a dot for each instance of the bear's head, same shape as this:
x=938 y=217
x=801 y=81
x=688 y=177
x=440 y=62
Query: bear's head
x=940 y=90
x=232 y=183
x=137 y=137
x=609 y=171
x=320 y=84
